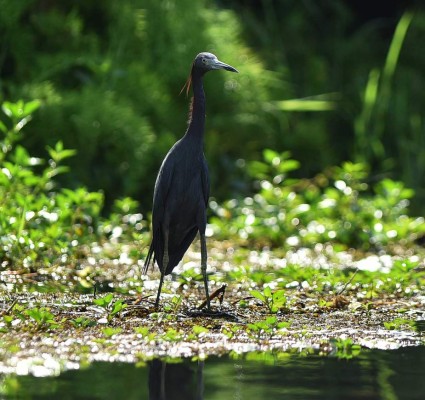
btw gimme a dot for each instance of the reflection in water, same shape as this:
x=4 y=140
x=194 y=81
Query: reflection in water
x=375 y=374
x=175 y=381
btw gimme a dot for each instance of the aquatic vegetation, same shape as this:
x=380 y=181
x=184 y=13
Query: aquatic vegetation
x=269 y=327
x=112 y=308
x=400 y=323
x=277 y=295
x=345 y=348
x=42 y=318
x=30 y=318
x=82 y=322
x=109 y=332
x=146 y=333
x=172 y=335
x=199 y=331
x=174 y=304
x=273 y=301
x=337 y=206
x=45 y=228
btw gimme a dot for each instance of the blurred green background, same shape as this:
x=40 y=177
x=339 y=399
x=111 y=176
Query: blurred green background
x=329 y=81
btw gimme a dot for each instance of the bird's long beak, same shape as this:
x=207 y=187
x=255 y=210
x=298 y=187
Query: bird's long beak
x=217 y=64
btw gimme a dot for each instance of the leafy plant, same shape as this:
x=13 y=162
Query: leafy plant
x=39 y=223
x=42 y=318
x=198 y=332
x=112 y=308
x=345 y=348
x=397 y=323
x=337 y=206
x=43 y=226
x=230 y=330
x=274 y=301
x=173 y=305
x=146 y=333
x=110 y=331
x=190 y=275
x=268 y=326
x=82 y=322
x=95 y=88
x=172 y=335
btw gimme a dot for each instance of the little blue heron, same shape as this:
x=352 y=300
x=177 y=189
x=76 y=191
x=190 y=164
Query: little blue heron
x=182 y=186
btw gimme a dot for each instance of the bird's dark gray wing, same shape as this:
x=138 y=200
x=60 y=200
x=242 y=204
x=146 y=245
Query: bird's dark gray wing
x=186 y=216
x=178 y=252
x=191 y=215
x=162 y=186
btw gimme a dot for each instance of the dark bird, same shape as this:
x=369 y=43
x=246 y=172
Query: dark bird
x=182 y=186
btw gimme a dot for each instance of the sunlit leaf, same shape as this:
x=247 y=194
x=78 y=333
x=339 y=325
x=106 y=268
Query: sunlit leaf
x=258 y=295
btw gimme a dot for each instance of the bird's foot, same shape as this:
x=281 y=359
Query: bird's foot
x=219 y=293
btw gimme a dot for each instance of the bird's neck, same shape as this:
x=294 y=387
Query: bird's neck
x=196 y=126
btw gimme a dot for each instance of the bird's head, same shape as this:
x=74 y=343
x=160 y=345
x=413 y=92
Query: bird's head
x=203 y=63
x=207 y=62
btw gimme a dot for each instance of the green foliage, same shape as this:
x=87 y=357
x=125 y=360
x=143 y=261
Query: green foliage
x=110 y=332
x=199 y=330
x=104 y=301
x=230 y=330
x=190 y=275
x=42 y=317
x=146 y=333
x=112 y=308
x=173 y=305
x=39 y=223
x=30 y=318
x=112 y=92
x=108 y=86
x=345 y=348
x=268 y=327
x=197 y=333
x=274 y=301
x=399 y=323
x=374 y=94
x=172 y=335
x=163 y=316
x=338 y=206
x=82 y=322
x=19 y=115
x=382 y=104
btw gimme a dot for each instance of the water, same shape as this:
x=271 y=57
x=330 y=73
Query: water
x=374 y=374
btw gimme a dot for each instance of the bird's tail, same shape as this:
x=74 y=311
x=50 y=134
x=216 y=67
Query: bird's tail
x=148 y=259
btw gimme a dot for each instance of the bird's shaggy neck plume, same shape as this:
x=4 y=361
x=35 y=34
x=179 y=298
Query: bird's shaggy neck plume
x=197 y=106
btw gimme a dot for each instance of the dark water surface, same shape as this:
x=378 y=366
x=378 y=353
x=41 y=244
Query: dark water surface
x=374 y=374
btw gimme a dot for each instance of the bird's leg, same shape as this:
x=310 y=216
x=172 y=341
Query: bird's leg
x=165 y=260
x=204 y=267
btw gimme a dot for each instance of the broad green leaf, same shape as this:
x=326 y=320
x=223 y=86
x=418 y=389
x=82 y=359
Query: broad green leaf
x=30 y=107
x=3 y=127
x=104 y=301
x=267 y=292
x=271 y=320
x=258 y=295
x=197 y=329
x=269 y=155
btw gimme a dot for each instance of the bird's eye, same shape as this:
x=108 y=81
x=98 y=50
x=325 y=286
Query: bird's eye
x=204 y=61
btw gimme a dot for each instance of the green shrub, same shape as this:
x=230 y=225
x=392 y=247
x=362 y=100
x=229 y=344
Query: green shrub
x=39 y=223
x=112 y=93
x=43 y=225
x=337 y=206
